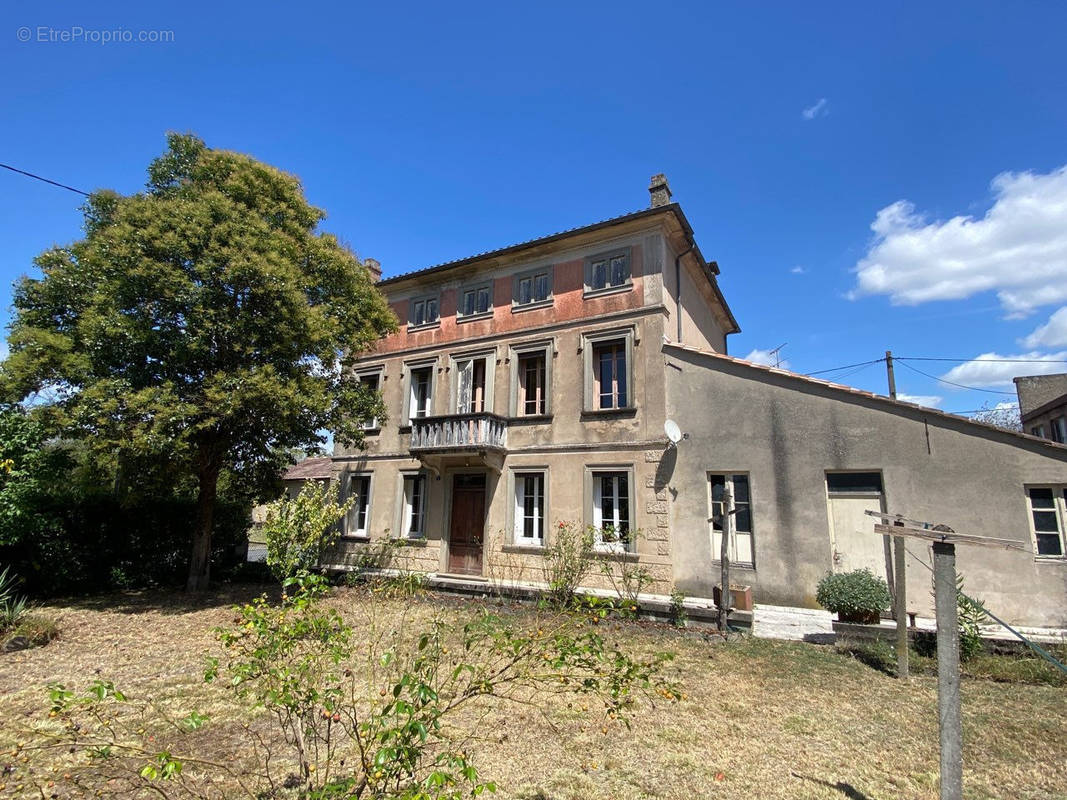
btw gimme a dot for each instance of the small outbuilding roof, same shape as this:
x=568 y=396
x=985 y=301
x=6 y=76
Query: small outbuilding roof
x=310 y=469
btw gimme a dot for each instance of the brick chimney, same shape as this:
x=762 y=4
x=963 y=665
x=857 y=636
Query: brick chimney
x=660 y=191
x=374 y=268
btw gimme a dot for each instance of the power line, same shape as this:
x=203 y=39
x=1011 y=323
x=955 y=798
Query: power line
x=950 y=383
x=46 y=180
x=846 y=366
x=990 y=360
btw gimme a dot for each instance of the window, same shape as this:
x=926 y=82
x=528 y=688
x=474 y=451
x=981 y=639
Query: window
x=1048 y=511
x=533 y=288
x=854 y=482
x=470 y=397
x=607 y=271
x=423 y=311
x=471 y=379
x=611 y=511
x=414 y=516
x=371 y=382
x=530 y=508
x=1059 y=430
x=476 y=300
x=359 y=513
x=609 y=376
x=531 y=370
x=1038 y=430
x=739 y=549
x=420 y=392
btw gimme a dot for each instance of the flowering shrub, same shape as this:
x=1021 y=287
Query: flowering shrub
x=300 y=530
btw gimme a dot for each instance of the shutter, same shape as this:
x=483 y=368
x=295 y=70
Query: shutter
x=466 y=376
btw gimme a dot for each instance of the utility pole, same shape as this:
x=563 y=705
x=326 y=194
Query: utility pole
x=889 y=373
x=948 y=671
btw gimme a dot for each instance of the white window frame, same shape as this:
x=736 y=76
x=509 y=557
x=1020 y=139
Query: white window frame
x=475 y=290
x=715 y=536
x=606 y=260
x=378 y=373
x=1059 y=508
x=410 y=410
x=425 y=300
x=1038 y=431
x=355 y=511
x=409 y=510
x=518 y=510
x=462 y=365
x=595 y=475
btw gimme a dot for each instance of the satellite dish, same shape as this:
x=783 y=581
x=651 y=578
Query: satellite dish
x=674 y=433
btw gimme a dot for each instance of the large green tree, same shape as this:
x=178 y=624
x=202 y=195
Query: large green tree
x=206 y=323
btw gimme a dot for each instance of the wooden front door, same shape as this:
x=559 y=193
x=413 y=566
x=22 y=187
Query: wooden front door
x=468 y=521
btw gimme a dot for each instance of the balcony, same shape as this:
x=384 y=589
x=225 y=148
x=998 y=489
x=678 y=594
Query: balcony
x=459 y=434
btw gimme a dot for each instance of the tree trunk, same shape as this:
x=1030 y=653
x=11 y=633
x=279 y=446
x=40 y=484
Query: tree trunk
x=200 y=556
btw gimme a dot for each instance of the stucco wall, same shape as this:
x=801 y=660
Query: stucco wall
x=787 y=433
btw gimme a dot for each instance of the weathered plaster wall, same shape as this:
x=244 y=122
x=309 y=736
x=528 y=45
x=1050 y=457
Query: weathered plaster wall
x=786 y=433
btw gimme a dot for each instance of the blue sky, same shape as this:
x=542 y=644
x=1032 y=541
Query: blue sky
x=839 y=161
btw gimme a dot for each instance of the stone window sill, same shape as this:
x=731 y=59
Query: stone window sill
x=529 y=549
x=474 y=317
x=628 y=411
x=591 y=293
x=517 y=308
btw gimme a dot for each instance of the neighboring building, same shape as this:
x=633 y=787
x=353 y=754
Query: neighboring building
x=530 y=385
x=1043 y=405
x=293 y=480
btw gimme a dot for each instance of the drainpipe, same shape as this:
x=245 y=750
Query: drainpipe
x=678 y=285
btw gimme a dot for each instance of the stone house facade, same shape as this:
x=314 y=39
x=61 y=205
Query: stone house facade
x=530 y=386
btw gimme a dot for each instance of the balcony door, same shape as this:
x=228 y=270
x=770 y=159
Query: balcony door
x=470 y=394
x=468 y=524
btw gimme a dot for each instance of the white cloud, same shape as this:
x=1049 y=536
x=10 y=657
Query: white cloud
x=1052 y=334
x=928 y=400
x=1018 y=249
x=798 y=270
x=767 y=358
x=993 y=370
x=817 y=110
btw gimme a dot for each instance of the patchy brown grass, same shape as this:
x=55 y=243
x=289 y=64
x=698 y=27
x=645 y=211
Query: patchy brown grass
x=759 y=720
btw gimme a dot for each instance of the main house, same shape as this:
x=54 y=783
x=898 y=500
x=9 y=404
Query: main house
x=530 y=386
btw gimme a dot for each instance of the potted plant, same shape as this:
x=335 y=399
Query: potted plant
x=858 y=596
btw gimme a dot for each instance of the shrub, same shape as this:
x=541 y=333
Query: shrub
x=971 y=614
x=853 y=595
x=678 y=615
x=300 y=530
x=567 y=560
x=13 y=607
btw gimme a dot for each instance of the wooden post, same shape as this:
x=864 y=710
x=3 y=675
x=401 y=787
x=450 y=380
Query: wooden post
x=900 y=606
x=948 y=671
x=724 y=556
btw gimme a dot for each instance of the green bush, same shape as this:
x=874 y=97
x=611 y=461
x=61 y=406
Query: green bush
x=856 y=593
x=300 y=530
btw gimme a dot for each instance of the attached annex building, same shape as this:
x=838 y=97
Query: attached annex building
x=530 y=385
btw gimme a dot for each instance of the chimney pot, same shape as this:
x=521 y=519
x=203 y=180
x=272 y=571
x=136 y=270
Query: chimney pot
x=660 y=191
x=374 y=268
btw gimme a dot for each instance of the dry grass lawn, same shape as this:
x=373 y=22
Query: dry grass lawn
x=759 y=720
